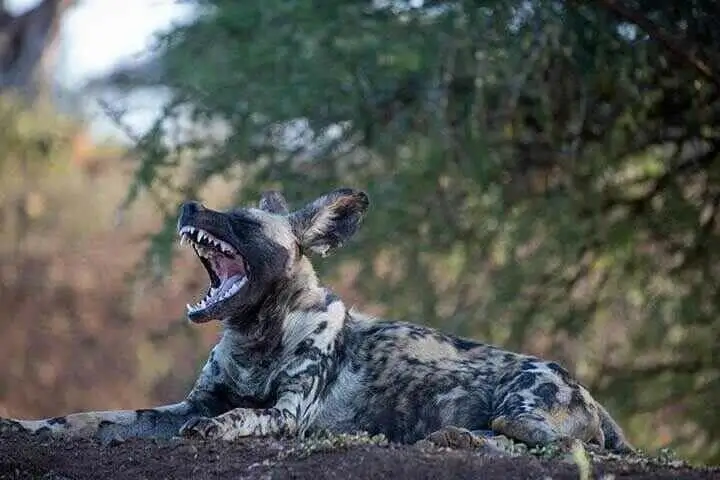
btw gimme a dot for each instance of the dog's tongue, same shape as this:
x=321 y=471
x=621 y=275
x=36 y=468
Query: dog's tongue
x=226 y=268
x=229 y=283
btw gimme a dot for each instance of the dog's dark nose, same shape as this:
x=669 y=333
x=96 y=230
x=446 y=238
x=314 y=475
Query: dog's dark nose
x=191 y=207
x=187 y=212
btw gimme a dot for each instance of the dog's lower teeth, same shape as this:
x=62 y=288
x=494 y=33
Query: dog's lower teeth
x=215 y=295
x=234 y=288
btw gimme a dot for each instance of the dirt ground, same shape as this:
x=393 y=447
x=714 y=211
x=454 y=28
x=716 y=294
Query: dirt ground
x=24 y=457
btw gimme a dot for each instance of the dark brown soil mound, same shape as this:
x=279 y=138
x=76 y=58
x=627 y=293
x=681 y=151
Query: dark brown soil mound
x=23 y=456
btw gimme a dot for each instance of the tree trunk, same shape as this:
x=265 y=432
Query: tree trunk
x=27 y=43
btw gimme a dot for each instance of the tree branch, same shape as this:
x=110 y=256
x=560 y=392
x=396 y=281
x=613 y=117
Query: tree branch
x=682 y=50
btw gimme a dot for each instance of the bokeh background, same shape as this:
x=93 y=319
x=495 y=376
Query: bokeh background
x=544 y=175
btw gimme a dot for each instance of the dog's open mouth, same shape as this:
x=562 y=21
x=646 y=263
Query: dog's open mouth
x=226 y=267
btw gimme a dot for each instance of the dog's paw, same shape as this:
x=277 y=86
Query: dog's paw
x=462 y=439
x=201 y=427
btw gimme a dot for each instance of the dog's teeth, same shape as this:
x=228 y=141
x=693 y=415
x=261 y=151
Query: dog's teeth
x=234 y=288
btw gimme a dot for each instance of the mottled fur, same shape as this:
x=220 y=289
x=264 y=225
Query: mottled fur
x=293 y=359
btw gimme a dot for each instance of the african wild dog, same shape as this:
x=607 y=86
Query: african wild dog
x=293 y=359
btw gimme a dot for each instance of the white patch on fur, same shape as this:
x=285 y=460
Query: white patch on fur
x=299 y=325
x=427 y=349
x=276 y=227
x=363 y=317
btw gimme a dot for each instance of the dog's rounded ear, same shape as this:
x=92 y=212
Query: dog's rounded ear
x=273 y=201
x=329 y=221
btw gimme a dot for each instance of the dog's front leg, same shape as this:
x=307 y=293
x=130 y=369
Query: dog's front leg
x=157 y=422
x=301 y=386
x=208 y=397
x=242 y=422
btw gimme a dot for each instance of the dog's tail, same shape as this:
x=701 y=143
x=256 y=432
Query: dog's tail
x=614 y=437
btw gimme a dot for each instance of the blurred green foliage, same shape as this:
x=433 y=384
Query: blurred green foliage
x=34 y=139
x=543 y=174
x=33 y=136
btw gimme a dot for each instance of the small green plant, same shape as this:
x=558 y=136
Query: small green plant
x=329 y=442
x=581 y=459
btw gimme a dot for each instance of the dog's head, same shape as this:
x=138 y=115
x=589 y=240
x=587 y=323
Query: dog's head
x=251 y=252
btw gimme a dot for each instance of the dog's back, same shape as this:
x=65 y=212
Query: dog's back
x=406 y=381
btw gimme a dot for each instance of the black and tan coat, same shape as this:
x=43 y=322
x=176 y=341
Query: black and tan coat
x=293 y=359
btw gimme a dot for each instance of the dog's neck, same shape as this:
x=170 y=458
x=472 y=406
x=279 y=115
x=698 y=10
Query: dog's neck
x=260 y=328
